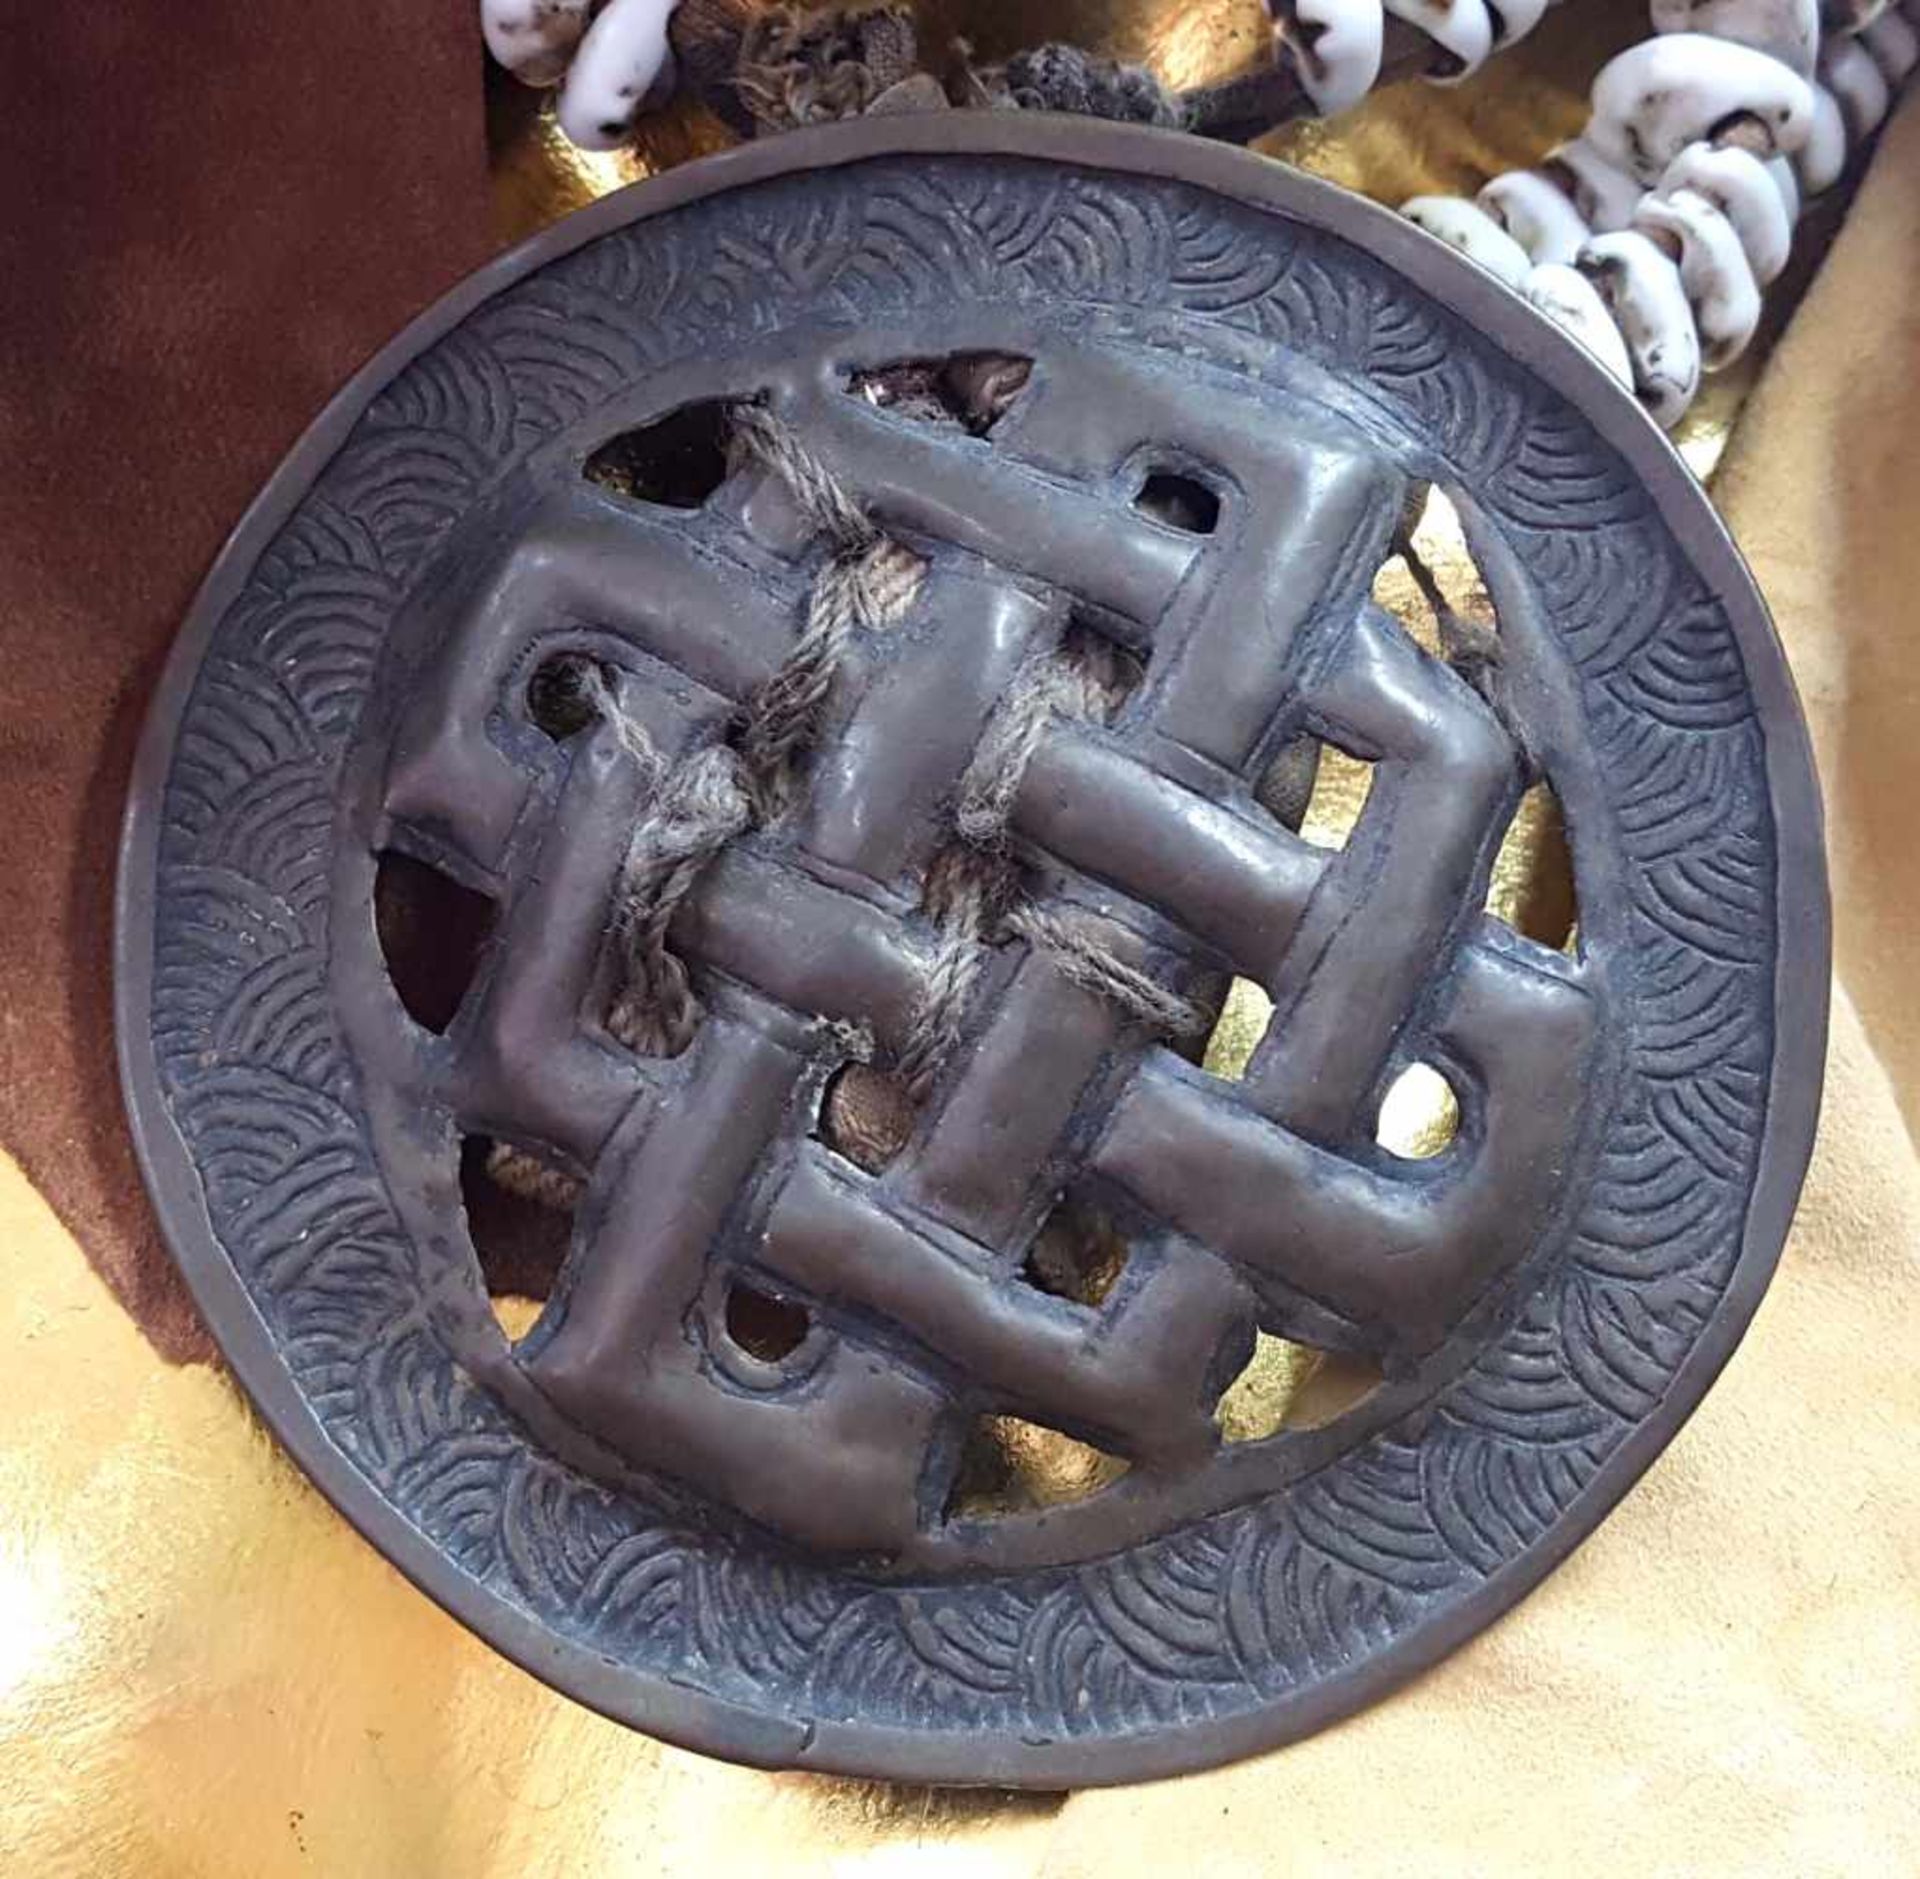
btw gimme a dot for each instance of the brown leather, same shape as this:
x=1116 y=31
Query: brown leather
x=213 y=214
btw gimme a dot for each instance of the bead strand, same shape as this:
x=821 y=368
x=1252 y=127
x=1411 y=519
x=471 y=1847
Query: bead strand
x=1650 y=237
x=612 y=60
x=609 y=63
x=1338 y=49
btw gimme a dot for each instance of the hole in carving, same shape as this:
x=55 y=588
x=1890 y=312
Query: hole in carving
x=514 y=1313
x=1077 y=1255
x=431 y=932
x=765 y=1327
x=1532 y=888
x=1395 y=591
x=973 y=390
x=1341 y=785
x=677 y=461
x=1254 y=1406
x=1419 y=1115
x=1286 y=785
x=1434 y=587
x=1292 y=1386
x=1340 y=1381
x=560 y=694
x=1238 y=1030
x=1107 y=673
x=520 y=1220
x=1008 y=1467
x=1177 y=501
x=865 y=1115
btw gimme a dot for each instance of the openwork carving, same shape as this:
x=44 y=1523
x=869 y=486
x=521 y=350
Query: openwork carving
x=853 y=648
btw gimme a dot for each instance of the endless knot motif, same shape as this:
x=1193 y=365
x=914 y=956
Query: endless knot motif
x=1133 y=427
x=1262 y=1199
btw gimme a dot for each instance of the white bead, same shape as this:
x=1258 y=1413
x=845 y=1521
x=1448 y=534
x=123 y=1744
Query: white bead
x=1848 y=71
x=1788 y=184
x=1476 y=234
x=622 y=54
x=1335 y=48
x=1714 y=270
x=1461 y=28
x=1606 y=196
x=1571 y=301
x=1641 y=288
x=1895 y=46
x=1538 y=214
x=1822 y=160
x=1739 y=185
x=534 y=39
x=1787 y=30
x=1655 y=98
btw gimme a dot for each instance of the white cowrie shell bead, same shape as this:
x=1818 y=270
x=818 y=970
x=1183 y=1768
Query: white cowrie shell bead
x=1740 y=186
x=534 y=39
x=1788 y=184
x=622 y=54
x=1605 y=195
x=1848 y=71
x=1714 y=271
x=1641 y=288
x=1655 y=98
x=1538 y=214
x=1895 y=46
x=1820 y=162
x=1787 y=30
x=1335 y=48
x=1571 y=301
x=1461 y=225
x=1461 y=28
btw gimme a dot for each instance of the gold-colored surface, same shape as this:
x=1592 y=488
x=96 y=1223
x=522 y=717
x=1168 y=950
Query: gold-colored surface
x=1256 y=1403
x=538 y=176
x=204 y=1672
x=1242 y=1024
x=1419 y=1115
x=1015 y=1467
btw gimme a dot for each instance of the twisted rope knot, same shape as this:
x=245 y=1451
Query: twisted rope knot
x=700 y=807
x=869 y=582
x=967 y=894
x=758 y=435
x=1087 y=684
x=980 y=887
x=1082 y=957
x=710 y=797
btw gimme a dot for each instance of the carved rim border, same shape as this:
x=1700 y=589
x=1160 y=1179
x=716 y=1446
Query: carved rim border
x=647 y=1701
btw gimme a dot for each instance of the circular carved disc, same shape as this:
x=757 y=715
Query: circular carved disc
x=718 y=1383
